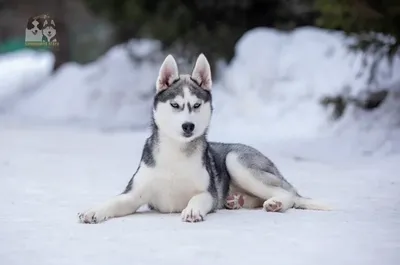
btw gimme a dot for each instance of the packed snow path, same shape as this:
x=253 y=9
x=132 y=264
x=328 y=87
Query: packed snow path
x=48 y=175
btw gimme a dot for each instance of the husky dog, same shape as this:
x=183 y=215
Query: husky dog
x=181 y=172
x=49 y=31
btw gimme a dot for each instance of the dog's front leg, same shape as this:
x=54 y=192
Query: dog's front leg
x=118 y=206
x=134 y=196
x=198 y=207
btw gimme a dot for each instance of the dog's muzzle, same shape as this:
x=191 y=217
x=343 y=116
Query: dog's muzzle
x=188 y=128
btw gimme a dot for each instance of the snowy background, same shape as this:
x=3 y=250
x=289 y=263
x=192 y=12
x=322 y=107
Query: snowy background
x=72 y=139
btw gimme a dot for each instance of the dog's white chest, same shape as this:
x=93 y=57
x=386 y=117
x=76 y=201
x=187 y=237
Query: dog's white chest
x=173 y=182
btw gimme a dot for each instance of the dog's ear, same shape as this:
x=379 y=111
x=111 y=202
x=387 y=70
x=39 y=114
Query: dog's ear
x=168 y=73
x=41 y=22
x=29 y=25
x=202 y=72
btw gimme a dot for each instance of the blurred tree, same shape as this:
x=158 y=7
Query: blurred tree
x=62 y=55
x=188 y=27
x=193 y=26
x=374 y=23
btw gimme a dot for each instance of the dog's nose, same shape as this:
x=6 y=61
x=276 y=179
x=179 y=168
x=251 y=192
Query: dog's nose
x=188 y=127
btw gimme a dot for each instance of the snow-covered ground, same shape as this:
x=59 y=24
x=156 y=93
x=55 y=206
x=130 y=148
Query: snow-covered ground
x=58 y=156
x=48 y=175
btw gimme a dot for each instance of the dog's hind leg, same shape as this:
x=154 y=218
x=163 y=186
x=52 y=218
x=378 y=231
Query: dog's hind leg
x=238 y=198
x=248 y=172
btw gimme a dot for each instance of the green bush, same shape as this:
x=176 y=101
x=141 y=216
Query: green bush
x=188 y=27
x=363 y=19
x=192 y=26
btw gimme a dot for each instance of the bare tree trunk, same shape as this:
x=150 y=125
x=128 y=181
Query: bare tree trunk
x=63 y=53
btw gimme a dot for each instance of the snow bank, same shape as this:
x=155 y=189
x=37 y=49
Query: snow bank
x=114 y=91
x=22 y=72
x=374 y=132
x=272 y=88
x=276 y=81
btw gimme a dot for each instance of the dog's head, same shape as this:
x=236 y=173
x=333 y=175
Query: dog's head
x=35 y=25
x=49 y=28
x=182 y=106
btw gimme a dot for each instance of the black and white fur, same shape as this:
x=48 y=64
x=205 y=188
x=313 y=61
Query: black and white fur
x=180 y=171
x=33 y=30
x=49 y=31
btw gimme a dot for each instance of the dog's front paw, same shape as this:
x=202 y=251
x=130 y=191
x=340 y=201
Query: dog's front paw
x=192 y=215
x=92 y=217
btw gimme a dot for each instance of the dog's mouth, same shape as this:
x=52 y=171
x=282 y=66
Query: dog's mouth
x=187 y=134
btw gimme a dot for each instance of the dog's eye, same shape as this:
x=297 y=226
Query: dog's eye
x=174 y=105
x=196 y=106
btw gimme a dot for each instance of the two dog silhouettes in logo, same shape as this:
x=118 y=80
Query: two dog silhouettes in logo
x=40 y=29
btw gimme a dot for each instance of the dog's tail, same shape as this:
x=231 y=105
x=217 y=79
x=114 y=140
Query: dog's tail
x=310 y=204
